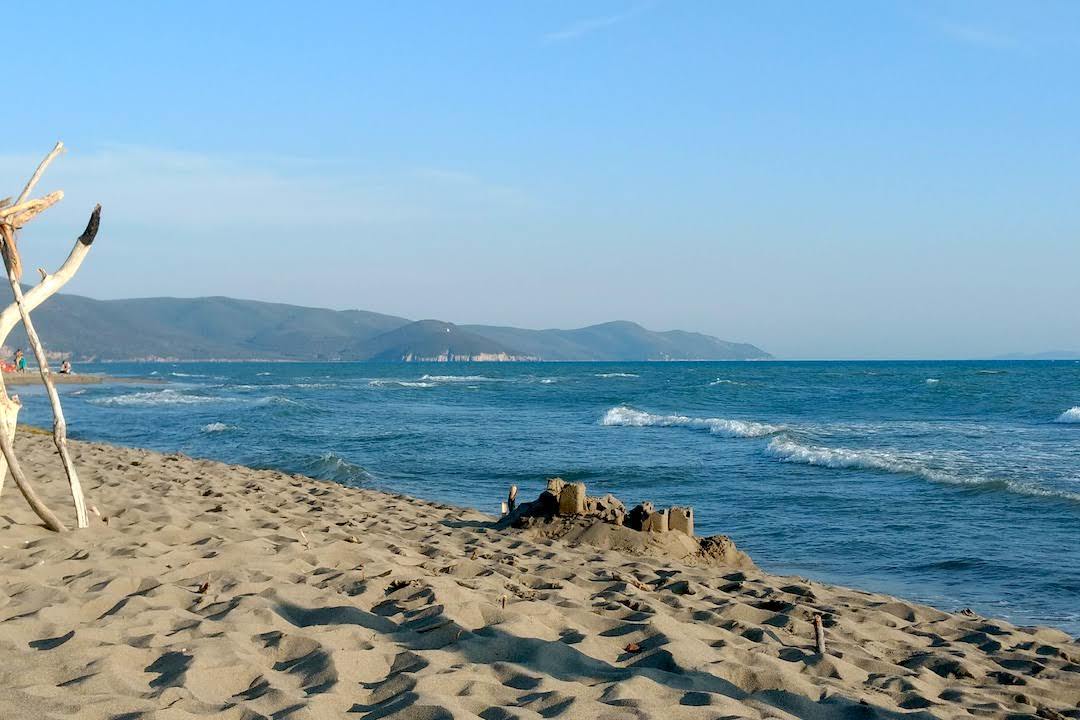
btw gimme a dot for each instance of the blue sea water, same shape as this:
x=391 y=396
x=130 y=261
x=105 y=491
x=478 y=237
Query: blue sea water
x=952 y=483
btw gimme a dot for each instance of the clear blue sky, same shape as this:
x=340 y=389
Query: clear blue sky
x=857 y=179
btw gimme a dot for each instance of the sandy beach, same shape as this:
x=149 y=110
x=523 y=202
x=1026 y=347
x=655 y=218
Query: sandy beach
x=33 y=377
x=222 y=591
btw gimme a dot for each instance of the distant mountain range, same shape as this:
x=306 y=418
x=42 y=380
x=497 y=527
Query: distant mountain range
x=220 y=328
x=1045 y=355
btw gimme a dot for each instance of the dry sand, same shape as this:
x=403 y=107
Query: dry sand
x=223 y=591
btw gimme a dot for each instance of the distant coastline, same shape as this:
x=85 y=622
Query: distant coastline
x=212 y=329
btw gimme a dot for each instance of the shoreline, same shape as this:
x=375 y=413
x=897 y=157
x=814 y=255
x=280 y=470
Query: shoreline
x=219 y=588
x=33 y=377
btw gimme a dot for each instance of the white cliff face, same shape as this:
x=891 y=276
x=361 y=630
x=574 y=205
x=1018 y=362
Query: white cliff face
x=478 y=357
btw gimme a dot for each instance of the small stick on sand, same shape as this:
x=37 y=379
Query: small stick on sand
x=819 y=635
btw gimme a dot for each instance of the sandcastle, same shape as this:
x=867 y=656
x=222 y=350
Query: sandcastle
x=566 y=510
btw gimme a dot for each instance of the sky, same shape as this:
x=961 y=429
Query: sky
x=824 y=180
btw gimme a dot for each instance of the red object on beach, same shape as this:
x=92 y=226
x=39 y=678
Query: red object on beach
x=7 y=367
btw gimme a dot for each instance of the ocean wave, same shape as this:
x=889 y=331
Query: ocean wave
x=548 y=381
x=1072 y=415
x=932 y=381
x=456 y=378
x=331 y=466
x=262 y=373
x=725 y=381
x=616 y=375
x=216 y=427
x=790 y=451
x=401 y=383
x=278 y=386
x=623 y=416
x=160 y=397
x=276 y=400
x=192 y=375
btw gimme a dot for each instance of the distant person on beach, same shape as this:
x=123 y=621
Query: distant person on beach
x=65 y=367
x=20 y=361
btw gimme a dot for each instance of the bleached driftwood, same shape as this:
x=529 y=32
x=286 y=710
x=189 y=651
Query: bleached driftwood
x=13 y=217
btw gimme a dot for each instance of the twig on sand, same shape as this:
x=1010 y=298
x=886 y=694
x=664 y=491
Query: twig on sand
x=819 y=635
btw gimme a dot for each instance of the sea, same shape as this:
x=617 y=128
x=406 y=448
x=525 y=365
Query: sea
x=956 y=484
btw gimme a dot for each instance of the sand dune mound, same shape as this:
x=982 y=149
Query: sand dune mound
x=220 y=591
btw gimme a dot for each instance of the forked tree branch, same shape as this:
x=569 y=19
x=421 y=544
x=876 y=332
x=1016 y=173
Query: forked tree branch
x=51 y=284
x=59 y=148
x=24 y=211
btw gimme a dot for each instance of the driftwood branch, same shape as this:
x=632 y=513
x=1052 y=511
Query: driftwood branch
x=24 y=211
x=11 y=218
x=819 y=635
x=59 y=148
x=51 y=284
x=51 y=521
x=59 y=423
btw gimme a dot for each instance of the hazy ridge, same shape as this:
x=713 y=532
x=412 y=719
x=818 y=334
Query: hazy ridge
x=222 y=328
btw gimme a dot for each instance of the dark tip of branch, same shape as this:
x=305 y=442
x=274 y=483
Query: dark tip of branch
x=91 y=227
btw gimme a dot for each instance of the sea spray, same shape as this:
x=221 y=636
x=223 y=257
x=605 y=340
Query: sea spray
x=167 y=396
x=1072 y=415
x=623 y=416
x=918 y=465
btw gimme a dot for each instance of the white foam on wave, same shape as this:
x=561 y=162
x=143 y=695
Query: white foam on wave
x=401 y=383
x=790 y=451
x=262 y=373
x=548 y=381
x=725 y=381
x=932 y=381
x=331 y=466
x=616 y=375
x=1072 y=415
x=216 y=427
x=456 y=378
x=192 y=375
x=160 y=397
x=623 y=416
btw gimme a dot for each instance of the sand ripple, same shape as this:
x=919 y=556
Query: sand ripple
x=221 y=591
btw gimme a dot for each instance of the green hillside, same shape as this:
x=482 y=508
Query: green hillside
x=228 y=329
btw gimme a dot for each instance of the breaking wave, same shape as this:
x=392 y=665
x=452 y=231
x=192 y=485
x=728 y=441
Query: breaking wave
x=456 y=378
x=401 y=383
x=623 y=416
x=331 y=466
x=725 y=381
x=160 y=397
x=216 y=427
x=1072 y=415
x=932 y=381
x=787 y=450
x=616 y=375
